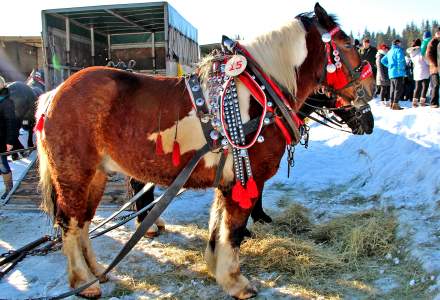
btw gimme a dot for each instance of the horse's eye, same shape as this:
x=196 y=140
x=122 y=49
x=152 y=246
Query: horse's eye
x=348 y=45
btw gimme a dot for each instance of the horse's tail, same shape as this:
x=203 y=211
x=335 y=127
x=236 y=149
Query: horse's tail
x=48 y=203
x=47 y=196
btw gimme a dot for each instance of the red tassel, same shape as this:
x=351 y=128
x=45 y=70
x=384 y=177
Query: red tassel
x=40 y=124
x=251 y=188
x=240 y=195
x=176 y=154
x=159 y=146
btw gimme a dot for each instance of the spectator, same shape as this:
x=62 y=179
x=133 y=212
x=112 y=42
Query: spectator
x=420 y=73
x=382 y=80
x=395 y=62
x=408 y=81
x=7 y=134
x=357 y=44
x=431 y=54
x=368 y=53
x=426 y=39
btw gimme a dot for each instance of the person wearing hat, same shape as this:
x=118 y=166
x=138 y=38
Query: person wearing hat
x=396 y=64
x=425 y=41
x=7 y=134
x=382 y=79
x=432 y=56
x=368 y=53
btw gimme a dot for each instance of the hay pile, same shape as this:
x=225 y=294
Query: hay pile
x=358 y=235
x=307 y=253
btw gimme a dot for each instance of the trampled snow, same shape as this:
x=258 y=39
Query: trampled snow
x=397 y=167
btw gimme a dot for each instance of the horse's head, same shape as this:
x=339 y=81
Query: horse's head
x=357 y=120
x=337 y=64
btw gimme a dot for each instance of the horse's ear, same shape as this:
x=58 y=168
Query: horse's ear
x=321 y=14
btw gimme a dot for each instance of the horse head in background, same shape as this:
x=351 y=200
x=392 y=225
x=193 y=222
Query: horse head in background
x=103 y=119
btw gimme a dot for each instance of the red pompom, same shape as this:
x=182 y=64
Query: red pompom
x=337 y=79
x=176 y=154
x=251 y=188
x=159 y=146
x=40 y=124
x=240 y=195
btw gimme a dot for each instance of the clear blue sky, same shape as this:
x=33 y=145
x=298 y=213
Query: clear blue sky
x=245 y=17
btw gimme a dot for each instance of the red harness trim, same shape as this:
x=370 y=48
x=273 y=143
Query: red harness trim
x=249 y=82
x=258 y=94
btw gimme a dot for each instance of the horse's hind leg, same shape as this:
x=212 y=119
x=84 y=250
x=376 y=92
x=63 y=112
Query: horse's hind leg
x=96 y=190
x=78 y=270
x=74 y=212
x=224 y=246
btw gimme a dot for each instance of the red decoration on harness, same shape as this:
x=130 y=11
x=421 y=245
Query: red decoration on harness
x=367 y=71
x=251 y=188
x=339 y=102
x=159 y=146
x=337 y=79
x=240 y=195
x=40 y=124
x=176 y=154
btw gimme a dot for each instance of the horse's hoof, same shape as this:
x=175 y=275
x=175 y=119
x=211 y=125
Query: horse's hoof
x=247 y=293
x=160 y=223
x=262 y=218
x=103 y=278
x=92 y=292
x=152 y=232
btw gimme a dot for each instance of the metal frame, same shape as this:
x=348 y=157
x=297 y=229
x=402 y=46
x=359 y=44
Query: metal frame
x=34 y=157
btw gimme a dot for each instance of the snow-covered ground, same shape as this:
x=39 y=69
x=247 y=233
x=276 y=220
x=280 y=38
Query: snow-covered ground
x=397 y=167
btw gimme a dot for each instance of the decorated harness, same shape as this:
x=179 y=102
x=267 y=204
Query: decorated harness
x=220 y=114
x=221 y=119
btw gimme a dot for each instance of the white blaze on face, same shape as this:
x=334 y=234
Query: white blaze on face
x=190 y=134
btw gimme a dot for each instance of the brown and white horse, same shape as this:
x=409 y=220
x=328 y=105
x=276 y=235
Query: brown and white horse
x=102 y=120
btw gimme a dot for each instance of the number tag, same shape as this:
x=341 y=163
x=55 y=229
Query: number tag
x=235 y=65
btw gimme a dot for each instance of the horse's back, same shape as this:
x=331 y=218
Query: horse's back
x=23 y=98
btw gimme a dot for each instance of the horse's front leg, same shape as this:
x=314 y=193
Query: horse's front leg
x=227 y=226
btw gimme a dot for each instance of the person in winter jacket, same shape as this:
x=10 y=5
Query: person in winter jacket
x=368 y=53
x=420 y=73
x=382 y=79
x=426 y=39
x=394 y=60
x=432 y=56
x=7 y=134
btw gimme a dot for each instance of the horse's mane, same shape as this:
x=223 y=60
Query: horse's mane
x=279 y=53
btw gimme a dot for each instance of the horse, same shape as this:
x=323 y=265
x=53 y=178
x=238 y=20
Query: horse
x=103 y=120
x=359 y=122
x=24 y=95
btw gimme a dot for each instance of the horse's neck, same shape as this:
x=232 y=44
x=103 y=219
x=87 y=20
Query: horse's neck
x=280 y=52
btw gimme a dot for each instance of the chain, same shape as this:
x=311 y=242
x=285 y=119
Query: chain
x=290 y=158
x=304 y=133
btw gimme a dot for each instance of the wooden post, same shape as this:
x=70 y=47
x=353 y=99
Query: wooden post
x=92 y=38
x=67 y=47
x=165 y=16
x=47 y=75
x=153 y=51
x=109 y=47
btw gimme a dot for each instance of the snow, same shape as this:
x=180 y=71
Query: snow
x=396 y=168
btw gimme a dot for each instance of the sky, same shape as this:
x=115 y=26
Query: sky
x=244 y=17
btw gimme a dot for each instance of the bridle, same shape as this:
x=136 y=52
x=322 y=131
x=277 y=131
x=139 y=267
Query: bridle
x=333 y=78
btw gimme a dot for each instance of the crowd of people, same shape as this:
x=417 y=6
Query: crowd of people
x=409 y=76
